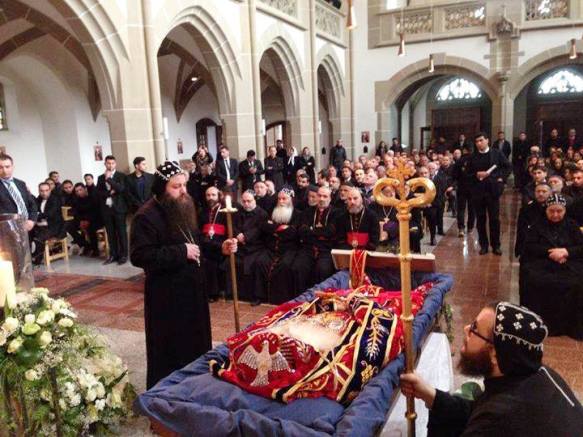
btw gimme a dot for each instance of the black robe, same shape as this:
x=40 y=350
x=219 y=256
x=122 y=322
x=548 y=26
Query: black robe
x=267 y=203
x=274 y=171
x=318 y=236
x=176 y=311
x=527 y=217
x=277 y=277
x=388 y=222
x=552 y=290
x=364 y=226
x=511 y=406
x=213 y=226
x=248 y=223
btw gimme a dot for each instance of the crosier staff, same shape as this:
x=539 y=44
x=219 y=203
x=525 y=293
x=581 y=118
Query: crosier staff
x=229 y=211
x=397 y=178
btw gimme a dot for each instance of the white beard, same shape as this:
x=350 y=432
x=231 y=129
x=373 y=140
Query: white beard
x=282 y=215
x=355 y=209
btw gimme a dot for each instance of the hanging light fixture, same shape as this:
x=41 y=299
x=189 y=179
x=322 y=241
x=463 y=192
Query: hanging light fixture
x=431 y=64
x=401 y=44
x=351 y=19
x=573 y=51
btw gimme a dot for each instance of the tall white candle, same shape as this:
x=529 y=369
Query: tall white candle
x=228 y=203
x=7 y=286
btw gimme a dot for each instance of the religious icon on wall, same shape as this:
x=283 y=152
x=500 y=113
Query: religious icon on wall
x=98 y=152
x=180 y=147
x=365 y=137
x=3 y=150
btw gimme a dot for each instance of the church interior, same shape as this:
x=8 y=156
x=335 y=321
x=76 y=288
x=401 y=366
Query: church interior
x=345 y=96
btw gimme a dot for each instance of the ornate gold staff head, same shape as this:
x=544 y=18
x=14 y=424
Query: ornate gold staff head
x=398 y=179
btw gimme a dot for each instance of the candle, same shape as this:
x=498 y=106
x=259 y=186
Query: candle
x=228 y=203
x=7 y=286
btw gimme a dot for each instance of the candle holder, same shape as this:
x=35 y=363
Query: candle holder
x=15 y=247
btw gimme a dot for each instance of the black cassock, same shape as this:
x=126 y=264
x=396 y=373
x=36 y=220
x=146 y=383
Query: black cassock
x=552 y=290
x=279 y=277
x=176 y=311
x=359 y=230
x=318 y=236
x=537 y=405
x=213 y=225
x=248 y=223
x=389 y=228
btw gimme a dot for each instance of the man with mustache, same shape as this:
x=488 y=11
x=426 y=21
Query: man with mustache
x=213 y=225
x=167 y=244
x=276 y=279
x=358 y=225
x=247 y=230
x=521 y=398
x=318 y=236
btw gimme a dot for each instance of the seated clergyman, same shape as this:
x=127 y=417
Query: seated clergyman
x=521 y=398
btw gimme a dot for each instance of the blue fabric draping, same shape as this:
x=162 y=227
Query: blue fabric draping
x=192 y=402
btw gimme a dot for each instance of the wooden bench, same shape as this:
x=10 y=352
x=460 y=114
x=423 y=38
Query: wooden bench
x=55 y=243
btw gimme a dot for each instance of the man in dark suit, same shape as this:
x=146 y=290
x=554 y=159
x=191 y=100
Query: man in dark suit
x=227 y=171
x=489 y=169
x=250 y=170
x=502 y=144
x=274 y=168
x=15 y=198
x=112 y=190
x=139 y=184
x=49 y=223
x=338 y=155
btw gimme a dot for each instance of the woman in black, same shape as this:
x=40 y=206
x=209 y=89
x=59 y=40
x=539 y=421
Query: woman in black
x=201 y=158
x=550 y=271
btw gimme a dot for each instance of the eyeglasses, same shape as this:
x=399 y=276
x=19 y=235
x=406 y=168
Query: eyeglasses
x=474 y=331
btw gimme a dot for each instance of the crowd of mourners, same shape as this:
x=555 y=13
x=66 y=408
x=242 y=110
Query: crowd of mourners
x=290 y=215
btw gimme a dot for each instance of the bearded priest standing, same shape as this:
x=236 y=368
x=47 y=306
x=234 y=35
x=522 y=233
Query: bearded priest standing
x=166 y=243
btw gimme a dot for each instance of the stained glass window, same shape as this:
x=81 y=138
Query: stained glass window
x=459 y=89
x=562 y=82
x=3 y=125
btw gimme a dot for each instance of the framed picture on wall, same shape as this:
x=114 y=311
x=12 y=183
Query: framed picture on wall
x=365 y=137
x=3 y=150
x=180 y=147
x=98 y=152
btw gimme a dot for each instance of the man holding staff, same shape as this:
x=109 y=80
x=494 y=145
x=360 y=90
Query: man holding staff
x=166 y=243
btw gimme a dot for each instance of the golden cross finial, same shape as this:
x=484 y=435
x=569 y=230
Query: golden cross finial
x=401 y=172
x=398 y=179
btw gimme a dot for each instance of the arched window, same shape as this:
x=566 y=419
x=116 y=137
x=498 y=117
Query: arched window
x=459 y=89
x=3 y=125
x=561 y=82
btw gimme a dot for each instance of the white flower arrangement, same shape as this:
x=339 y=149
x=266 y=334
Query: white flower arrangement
x=56 y=377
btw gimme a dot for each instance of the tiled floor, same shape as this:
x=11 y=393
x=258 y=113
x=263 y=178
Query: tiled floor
x=118 y=303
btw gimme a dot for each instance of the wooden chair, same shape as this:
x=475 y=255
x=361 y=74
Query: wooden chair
x=66 y=213
x=54 y=243
x=102 y=238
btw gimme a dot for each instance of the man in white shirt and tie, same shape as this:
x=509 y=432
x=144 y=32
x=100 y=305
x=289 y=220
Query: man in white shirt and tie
x=15 y=198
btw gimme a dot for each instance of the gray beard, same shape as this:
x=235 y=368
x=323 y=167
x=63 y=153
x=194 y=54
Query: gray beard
x=249 y=208
x=282 y=215
x=355 y=209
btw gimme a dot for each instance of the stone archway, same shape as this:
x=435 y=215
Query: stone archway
x=388 y=92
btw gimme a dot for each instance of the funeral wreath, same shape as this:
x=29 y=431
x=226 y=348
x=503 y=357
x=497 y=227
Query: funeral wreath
x=57 y=378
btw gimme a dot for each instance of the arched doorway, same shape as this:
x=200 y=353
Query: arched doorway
x=552 y=100
x=443 y=106
x=276 y=96
x=53 y=92
x=190 y=106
